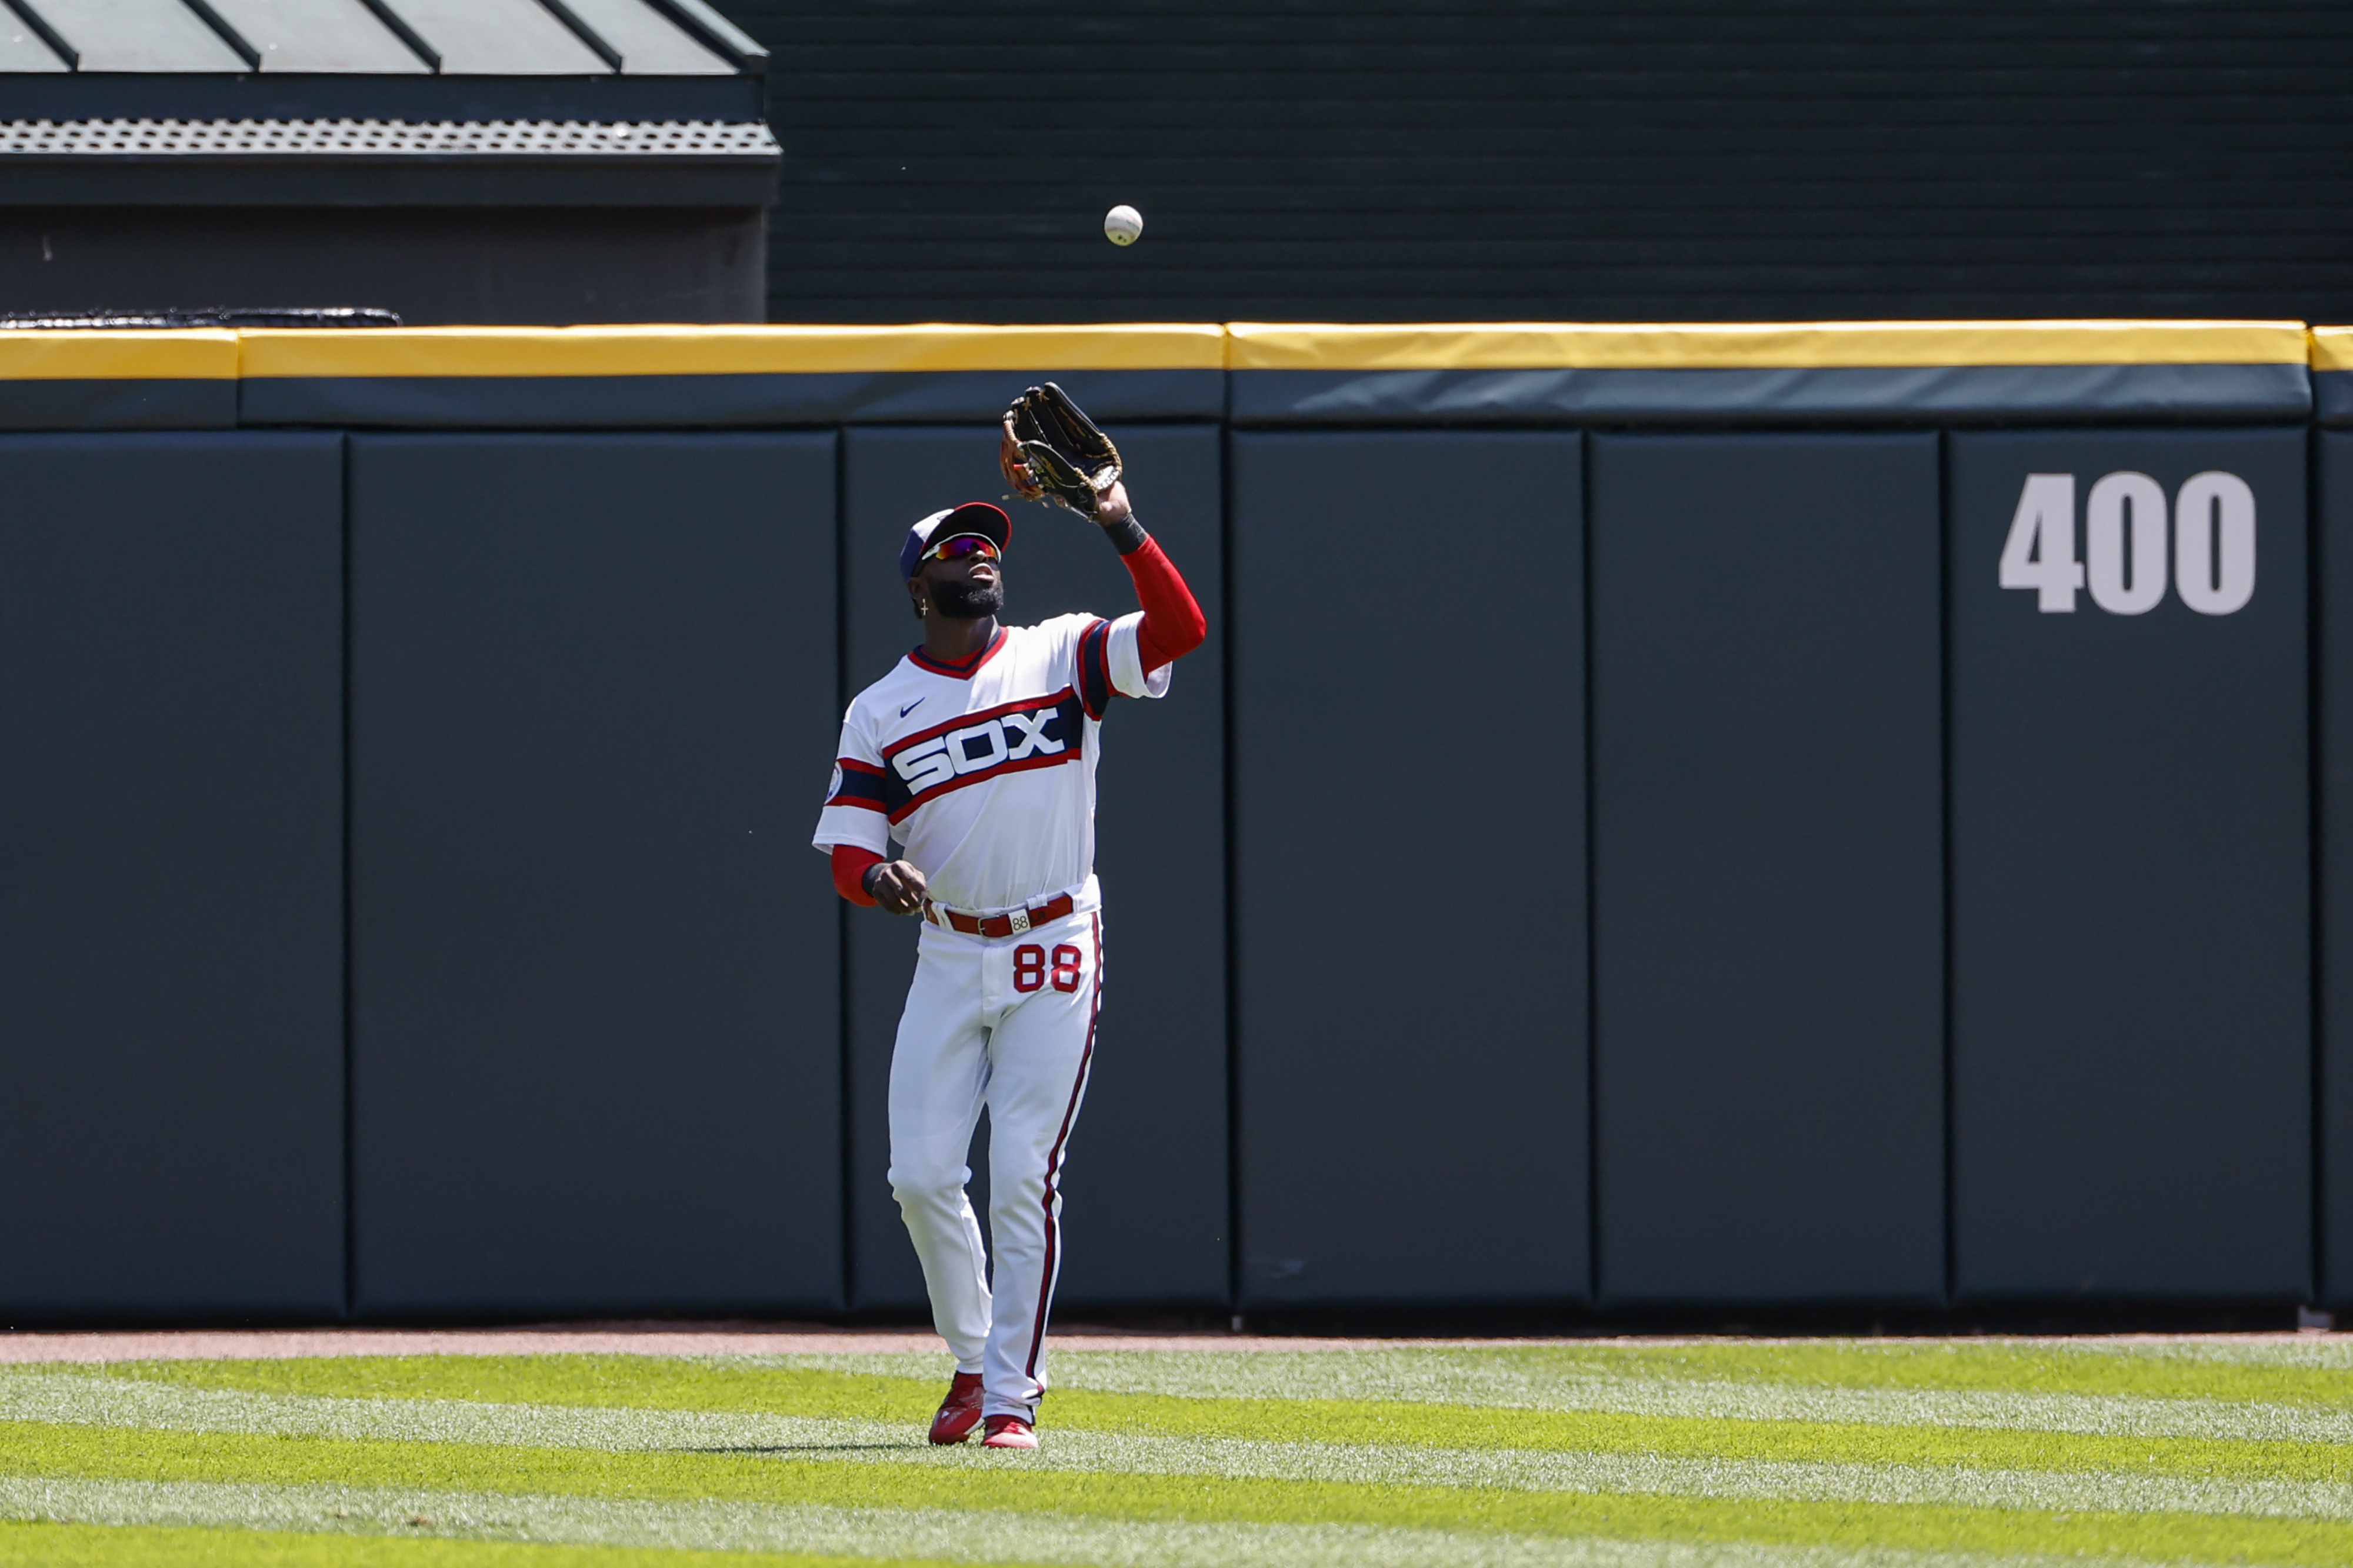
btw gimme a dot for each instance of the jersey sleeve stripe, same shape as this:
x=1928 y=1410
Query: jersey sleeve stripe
x=860 y=788
x=852 y=765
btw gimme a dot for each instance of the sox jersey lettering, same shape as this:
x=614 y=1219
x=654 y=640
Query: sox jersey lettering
x=986 y=775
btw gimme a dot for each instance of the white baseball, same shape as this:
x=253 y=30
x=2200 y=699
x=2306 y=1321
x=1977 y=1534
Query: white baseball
x=1122 y=225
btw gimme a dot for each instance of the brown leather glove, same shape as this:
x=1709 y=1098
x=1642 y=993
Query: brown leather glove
x=1052 y=451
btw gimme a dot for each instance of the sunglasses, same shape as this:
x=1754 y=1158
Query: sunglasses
x=962 y=545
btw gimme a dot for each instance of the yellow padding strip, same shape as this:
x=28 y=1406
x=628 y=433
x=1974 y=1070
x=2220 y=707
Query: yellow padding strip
x=2332 y=348
x=1537 y=345
x=215 y=355
x=201 y=354
x=726 y=350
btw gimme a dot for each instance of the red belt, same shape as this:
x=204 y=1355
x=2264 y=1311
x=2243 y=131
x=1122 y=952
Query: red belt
x=1013 y=925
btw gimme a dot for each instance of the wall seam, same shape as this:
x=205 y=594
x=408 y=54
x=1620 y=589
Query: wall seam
x=843 y=1017
x=2316 y=850
x=1232 y=891
x=1592 y=923
x=1945 y=835
x=351 y=1173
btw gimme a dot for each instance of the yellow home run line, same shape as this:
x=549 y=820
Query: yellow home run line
x=2332 y=348
x=214 y=354
x=1257 y=345
x=726 y=350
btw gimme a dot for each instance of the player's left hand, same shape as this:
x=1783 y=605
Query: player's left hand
x=897 y=887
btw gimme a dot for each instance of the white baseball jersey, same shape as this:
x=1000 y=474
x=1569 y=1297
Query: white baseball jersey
x=987 y=774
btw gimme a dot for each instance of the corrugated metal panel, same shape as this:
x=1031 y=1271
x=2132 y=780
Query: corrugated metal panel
x=318 y=35
x=138 y=35
x=1402 y=160
x=500 y=37
x=647 y=42
x=355 y=138
x=21 y=48
x=731 y=40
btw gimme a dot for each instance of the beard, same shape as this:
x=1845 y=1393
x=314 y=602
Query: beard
x=967 y=601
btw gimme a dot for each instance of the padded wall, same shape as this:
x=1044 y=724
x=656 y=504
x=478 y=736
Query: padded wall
x=2131 y=1031
x=2332 y=542
x=1769 y=919
x=171 y=884
x=1409 y=855
x=596 y=1028
x=1145 y=1206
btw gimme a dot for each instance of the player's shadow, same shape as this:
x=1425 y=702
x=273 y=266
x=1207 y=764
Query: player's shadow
x=805 y=1448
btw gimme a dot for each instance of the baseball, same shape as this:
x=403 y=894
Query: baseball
x=1122 y=225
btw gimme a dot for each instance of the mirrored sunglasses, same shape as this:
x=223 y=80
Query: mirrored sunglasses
x=962 y=545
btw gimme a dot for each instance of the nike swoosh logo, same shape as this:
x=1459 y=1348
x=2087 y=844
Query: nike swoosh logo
x=911 y=706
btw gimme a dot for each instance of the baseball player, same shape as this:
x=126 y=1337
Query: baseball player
x=976 y=756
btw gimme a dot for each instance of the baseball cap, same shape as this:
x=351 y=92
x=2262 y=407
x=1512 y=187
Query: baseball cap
x=973 y=517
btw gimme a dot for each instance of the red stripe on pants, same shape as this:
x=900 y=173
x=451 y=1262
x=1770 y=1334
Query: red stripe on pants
x=1054 y=1161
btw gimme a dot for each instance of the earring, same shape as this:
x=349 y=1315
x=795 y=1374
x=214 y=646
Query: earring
x=923 y=608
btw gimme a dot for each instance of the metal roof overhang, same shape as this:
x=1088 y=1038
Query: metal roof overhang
x=351 y=163
x=303 y=64
x=457 y=38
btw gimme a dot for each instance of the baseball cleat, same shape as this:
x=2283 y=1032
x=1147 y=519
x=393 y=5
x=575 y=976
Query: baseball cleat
x=960 y=1410
x=1010 y=1432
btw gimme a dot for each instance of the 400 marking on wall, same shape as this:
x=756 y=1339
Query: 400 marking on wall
x=2125 y=563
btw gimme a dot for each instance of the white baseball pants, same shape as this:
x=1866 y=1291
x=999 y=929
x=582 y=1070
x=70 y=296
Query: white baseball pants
x=1009 y=1022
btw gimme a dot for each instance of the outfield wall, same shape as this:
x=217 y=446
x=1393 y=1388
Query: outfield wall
x=1622 y=845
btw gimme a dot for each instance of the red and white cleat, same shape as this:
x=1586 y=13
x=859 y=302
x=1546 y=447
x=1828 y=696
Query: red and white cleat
x=960 y=1410
x=1010 y=1432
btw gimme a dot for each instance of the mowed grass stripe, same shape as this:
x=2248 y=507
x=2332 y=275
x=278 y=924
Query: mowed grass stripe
x=1305 y=1375
x=833 y=1396
x=352 y=1520
x=46 y=1544
x=2325 y=1351
x=123 y=1403
x=1004 y=1485
x=2314 y=1371
x=1509 y=1381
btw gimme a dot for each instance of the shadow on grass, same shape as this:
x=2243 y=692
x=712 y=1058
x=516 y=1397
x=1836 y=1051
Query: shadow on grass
x=808 y=1448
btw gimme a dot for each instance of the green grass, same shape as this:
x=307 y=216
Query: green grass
x=55 y=1545
x=622 y=1382
x=1623 y=1454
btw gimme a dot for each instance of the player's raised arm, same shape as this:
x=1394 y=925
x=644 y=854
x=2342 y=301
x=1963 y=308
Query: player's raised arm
x=1051 y=450
x=1173 y=624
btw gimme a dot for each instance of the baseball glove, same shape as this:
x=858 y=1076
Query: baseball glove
x=1052 y=451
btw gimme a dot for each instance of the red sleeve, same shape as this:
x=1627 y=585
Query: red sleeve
x=1173 y=626
x=850 y=867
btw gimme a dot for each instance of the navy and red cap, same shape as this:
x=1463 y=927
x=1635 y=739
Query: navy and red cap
x=973 y=517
